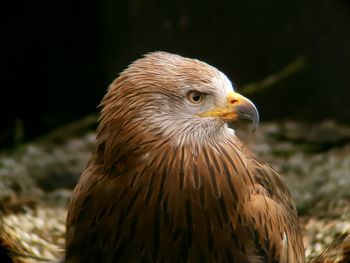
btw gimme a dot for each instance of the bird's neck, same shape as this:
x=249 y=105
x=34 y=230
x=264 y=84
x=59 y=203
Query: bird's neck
x=121 y=146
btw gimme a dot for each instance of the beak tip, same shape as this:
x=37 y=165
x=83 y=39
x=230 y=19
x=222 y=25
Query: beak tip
x=255 y=124
x=250 y=114
x=255 y=127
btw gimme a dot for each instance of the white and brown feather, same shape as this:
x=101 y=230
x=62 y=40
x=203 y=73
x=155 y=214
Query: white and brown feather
x=163 y=186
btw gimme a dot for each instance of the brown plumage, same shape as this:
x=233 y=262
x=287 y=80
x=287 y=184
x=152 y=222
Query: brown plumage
x=170 y=182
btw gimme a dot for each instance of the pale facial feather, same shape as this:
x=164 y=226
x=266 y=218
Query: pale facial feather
x=152 y=92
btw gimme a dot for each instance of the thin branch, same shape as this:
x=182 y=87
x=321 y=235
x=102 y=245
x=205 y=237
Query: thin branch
x=290 y=69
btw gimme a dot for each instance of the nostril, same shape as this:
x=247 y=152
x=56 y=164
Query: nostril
x=233 y=101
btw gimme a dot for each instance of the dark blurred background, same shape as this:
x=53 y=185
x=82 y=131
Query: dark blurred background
x=59 y=56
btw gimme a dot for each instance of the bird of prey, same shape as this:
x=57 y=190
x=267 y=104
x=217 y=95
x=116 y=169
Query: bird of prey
x=169 y=181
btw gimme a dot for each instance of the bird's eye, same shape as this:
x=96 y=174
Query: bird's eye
x=195 y=97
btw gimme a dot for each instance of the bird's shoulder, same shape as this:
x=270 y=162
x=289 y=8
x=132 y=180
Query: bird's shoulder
x=270 y=212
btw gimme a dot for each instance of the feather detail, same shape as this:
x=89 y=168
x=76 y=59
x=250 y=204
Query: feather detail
x=162 y=187
x=234 y=211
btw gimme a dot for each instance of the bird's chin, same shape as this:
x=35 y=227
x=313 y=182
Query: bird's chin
x=242 y=125
x=231 y=125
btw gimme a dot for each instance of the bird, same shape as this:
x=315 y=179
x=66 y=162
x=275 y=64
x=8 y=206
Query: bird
x=169 y=179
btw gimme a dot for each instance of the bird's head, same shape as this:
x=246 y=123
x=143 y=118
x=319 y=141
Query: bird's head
x=176 y=97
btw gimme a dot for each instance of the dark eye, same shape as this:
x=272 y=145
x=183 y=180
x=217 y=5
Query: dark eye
x=195 y=97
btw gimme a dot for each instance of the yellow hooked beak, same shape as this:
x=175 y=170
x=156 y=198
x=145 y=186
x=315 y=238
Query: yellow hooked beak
x=235 y=109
